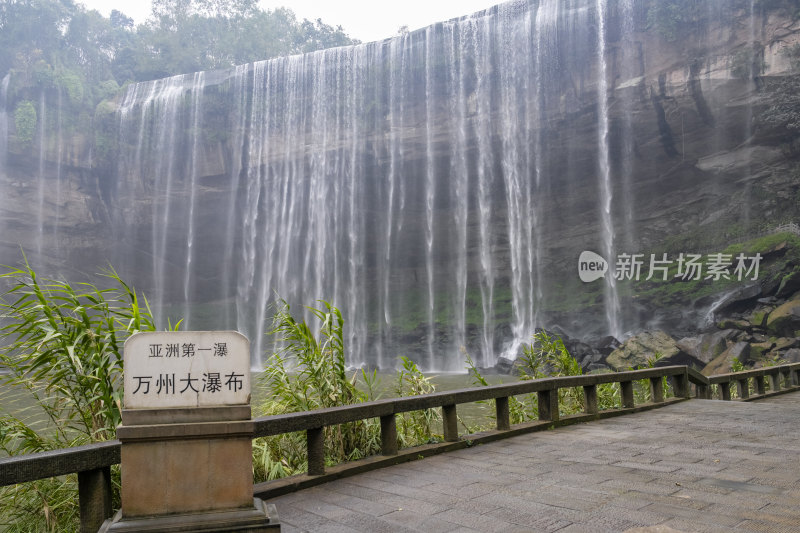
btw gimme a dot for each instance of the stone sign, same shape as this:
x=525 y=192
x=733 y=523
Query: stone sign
x=174 y=369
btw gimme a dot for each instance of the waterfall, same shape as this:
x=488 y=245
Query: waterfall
x=197 y=111
x=629 y=58
x=152 y=125
x=430 y=196
x=409 y=181
x=41 y=183
x=4 y=122
x=59 y=177
x=486 y=244
x=612 y=306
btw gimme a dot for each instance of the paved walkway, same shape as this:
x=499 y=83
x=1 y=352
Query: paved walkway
x=701 y=465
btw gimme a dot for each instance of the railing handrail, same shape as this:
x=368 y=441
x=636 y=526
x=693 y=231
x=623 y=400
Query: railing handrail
x=304 y=420
x=51 y=463
x=41 y=465
x=746 y=374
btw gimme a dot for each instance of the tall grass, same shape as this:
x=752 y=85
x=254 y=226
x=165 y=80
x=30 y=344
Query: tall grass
x=308 y=372
x=546 y=356
x=61 y=343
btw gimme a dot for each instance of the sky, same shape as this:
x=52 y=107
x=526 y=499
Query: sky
x=367 y=20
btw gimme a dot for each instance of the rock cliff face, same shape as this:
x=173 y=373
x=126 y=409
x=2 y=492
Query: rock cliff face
x=439 y=187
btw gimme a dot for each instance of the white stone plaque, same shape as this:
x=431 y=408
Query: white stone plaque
x=169 y=369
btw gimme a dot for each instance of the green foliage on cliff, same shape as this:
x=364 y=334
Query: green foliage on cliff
x=676 y=20
x=673 y=18
x=748 y=63
x=25 y=121
x=784 y=98
x=677 y=291
x=71 y=84
x=78 y=58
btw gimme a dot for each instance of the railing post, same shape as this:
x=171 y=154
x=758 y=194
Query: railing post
x=626 y=388
x=450 y=423
x=547 y=401
x=787 y=378
x=590 y=399
x=389 y=435
x=724 y=390
x=760 y=388
x=503 y=415
x=775 y=381
x=681 y=385
x=94 y=498
x=315 y=442
x=743 y=387
x=702 y=391
x=657 y=390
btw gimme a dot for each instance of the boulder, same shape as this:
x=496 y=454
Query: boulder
x=760 y=349
x=722 y=363
x=758 y=318
x=791 y=356
x=779 y=250
x=605 y=345
x=786 y=343
x=577 y=349
x=738 y=300
x=713 y=344
x=790 y=284
x=637 y=350
x=504 y=365
x=681 y=358
x=592 y=360
x=732 y=323
x=690 y=345
x=785 y=320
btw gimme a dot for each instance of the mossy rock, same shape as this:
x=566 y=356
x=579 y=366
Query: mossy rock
x=785 y=320
x=759 y=317
x=713 y=344
x=730 y=323
x=760 y=349
x=723 y=362
x=636 y=351
x=789 y=284
x=786 y=343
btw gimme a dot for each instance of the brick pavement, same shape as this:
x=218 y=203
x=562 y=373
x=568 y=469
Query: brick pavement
x=696 y=466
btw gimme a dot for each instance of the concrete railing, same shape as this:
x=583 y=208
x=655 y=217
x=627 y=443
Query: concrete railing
x=750 y=384
x=92 y=462
x=791 y=227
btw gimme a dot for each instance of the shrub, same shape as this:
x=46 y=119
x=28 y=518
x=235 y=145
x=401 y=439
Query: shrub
x=544 y=357
x=25 y=121
x=62 y=346
x=309 y=373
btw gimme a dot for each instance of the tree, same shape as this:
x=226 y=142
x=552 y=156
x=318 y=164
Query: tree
x=119 y=20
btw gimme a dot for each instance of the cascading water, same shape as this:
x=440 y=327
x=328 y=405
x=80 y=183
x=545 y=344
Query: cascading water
x=58 y=176
x=197 y=113
x=401 y=180
x=612 y=306
x=624 y=169
x=41 y=183
x=4 y=142
x=4 y=122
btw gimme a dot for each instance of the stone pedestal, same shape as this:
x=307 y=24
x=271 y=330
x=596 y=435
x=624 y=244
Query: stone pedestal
x=189 y=470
